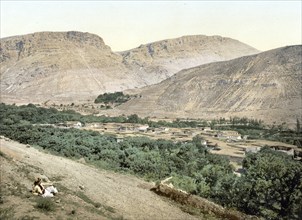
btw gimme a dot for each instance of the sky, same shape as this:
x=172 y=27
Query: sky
x=127 y=24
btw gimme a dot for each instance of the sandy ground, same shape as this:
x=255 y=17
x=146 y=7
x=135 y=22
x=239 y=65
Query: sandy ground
x=129 y=196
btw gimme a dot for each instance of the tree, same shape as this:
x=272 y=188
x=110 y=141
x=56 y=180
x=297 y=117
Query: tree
x=272 y=185
x=198 y=141
x=133 y=119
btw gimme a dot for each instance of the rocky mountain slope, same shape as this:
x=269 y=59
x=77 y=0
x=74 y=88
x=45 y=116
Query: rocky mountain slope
x=166 y=57
x=264 y=86
x=74 y=66
x=63 y=65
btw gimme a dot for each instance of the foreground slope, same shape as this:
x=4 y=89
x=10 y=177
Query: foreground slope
x=123 y=196
x=264 y=86
x=74 y=66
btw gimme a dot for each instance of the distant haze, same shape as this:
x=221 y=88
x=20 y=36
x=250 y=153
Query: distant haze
x=261 y=24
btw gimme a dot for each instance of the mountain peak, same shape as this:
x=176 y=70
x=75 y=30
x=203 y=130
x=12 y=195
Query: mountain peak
x=185 y=52
x=197 y=40
x=42 y=38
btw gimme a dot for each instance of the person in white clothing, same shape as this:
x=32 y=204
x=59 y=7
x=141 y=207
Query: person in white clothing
x=39 y=189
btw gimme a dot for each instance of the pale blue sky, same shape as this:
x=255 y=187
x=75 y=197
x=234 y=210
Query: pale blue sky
x=127 y=24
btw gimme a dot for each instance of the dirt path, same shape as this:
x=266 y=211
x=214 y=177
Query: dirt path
x=129 y=196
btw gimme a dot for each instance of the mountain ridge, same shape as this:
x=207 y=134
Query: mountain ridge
x=71 y=66
x=189 y=51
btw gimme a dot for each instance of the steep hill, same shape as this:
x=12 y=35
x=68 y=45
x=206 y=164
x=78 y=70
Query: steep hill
x=264 y=86
x=75 y=66
x=59 y=66
x=164 y=58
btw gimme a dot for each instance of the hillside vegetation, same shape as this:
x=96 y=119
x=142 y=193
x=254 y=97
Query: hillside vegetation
x=114 y=98
x=271 y=185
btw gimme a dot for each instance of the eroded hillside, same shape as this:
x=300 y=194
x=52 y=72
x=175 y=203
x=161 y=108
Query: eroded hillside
x=60 y=66
x=75 y=66
x=170 y=56
x=266 y=86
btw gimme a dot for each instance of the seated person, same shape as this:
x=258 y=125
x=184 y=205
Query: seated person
x=39 y=189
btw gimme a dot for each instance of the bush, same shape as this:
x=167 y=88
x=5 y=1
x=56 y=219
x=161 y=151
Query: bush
x=116 y=97
x=45 y=204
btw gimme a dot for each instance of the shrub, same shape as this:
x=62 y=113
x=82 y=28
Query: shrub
x=117 y=97
x=45 y=204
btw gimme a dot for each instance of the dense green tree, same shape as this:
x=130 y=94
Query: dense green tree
x=133 y=119
x=224 y=191
x=272 y=185
x=116 y=97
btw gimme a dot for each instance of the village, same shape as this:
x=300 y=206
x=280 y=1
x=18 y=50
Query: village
x=226 y=142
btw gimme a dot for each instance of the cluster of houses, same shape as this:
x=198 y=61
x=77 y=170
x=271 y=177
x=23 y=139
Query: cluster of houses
x=293 y=151
x=133 y=128
x=70 y=124
x=121 y=129
x=230 y=136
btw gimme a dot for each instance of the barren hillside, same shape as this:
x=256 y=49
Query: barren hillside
x=167 y=57
x=264 y=86
x=74 y=66
x=60 y=66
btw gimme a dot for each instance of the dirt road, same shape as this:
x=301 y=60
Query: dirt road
x=130 y=197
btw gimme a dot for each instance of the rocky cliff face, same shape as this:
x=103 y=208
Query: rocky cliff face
x=265 y=86
x=73 y=66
